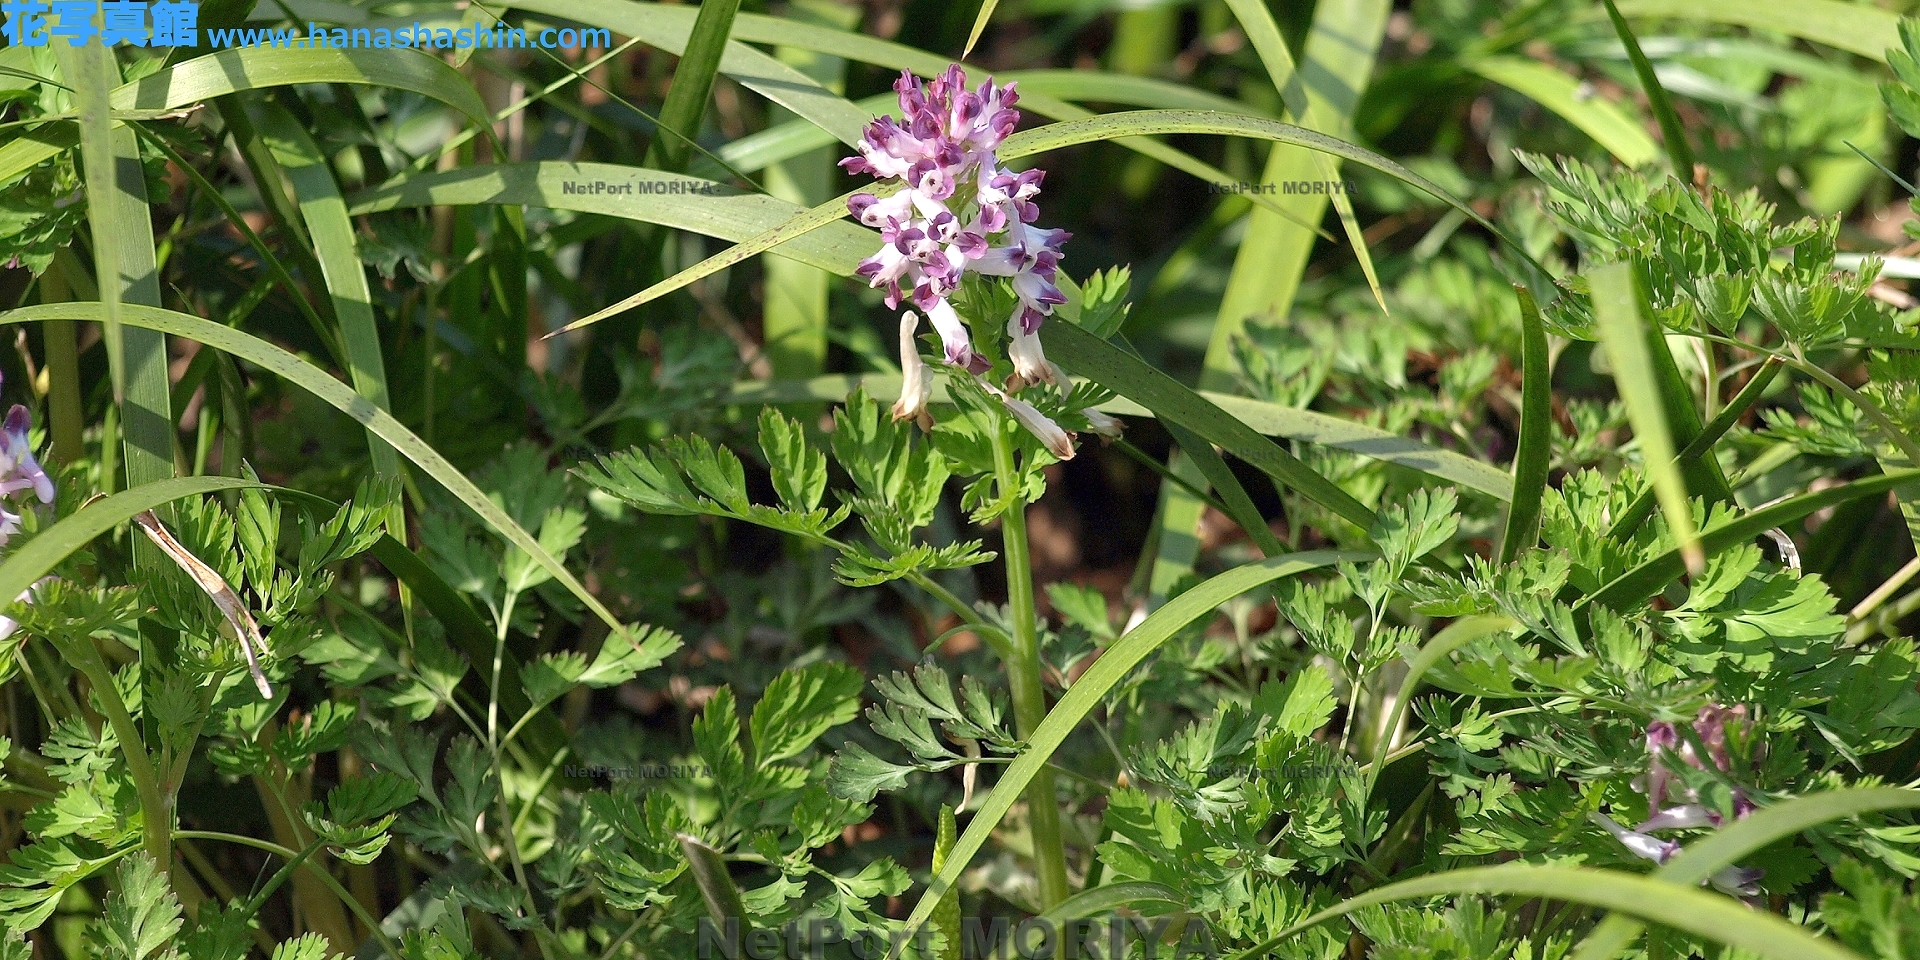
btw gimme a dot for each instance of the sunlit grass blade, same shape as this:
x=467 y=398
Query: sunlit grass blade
x=1726 y=846
x=92 y=77
x=1233 y=496
x=317 y=382
x=1709 y=916
x=1679 y=151
x=1608 y=125
x=794 y=319
x=1535 y=447
x=671 y=28
x=1053 y=137
x=979 y=26
x=1702 y=444
x=127 y=273
x=1621 y=323
x=1341 y=47
x=692 y=84
x=1652 y=576
x=1092 y=687
x=1123 y=373
x=1270 y=419
x=331 y=232
x=1856 y=28
x=1342 y=43
x=37 y=557
x=701 y=206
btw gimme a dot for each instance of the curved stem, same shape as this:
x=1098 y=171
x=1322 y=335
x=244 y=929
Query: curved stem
x=1023 y=672
x=359 y=909
x=971 y=617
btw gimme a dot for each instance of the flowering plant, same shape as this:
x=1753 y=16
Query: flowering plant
x=954 y=210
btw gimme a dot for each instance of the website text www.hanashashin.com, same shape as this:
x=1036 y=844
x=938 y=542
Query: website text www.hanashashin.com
x=163 y=23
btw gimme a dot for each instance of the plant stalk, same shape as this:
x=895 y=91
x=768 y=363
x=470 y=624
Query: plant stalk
x=156 y=825
x=1023 y=672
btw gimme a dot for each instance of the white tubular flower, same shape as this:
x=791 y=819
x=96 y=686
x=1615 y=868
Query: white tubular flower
x=1029 y=361
x=1059 y=441
x=1642 y=845
x=1100 y=423
x=915 y=388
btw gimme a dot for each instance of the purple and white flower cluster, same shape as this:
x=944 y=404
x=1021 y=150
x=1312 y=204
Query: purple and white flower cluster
x=957 y=210
x=19 y=473
x=1671 y=806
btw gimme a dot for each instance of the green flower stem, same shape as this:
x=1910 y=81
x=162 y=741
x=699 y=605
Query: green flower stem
x=156 y=810
x=1023 y=671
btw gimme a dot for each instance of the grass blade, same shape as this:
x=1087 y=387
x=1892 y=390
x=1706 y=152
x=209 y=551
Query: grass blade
x=1708 y=916
x=1053 y=137
x=1652 y=576
x=1722 y=848
x=1855 y=28
x=1620 y=321
x=37 y=557
x=794 y=319
x=257 y=68
x=92 y=76
x=1086 y=693
x=692 y=84
x=1239 y=506
x=331 y=232
x=127 y=273
x=1679 y=151
x=1134 y=378
x=1702 y=444
x=1535 y=453
x=979 y=26
x=338 y=395
x=1456 y=635
x=1608 y=125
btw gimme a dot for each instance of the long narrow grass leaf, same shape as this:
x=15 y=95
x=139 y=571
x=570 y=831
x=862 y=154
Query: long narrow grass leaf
x=1679 y=151
x=1271 y=419
x=1086 y=693
x=1702 y=443
x=693 y=83
x=1534 y=453
x=315 y=381
x=1652 y=575
x=331 y=232
x=1053 y=137
x=1608 y=125
x=1239 y=506
x=1123 y=373
x=1746 y=836
x=1620 y=321
x=1709 y=916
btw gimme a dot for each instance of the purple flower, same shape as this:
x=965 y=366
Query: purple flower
x=955 y=210
x=19 y=472
x=1664 y=739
